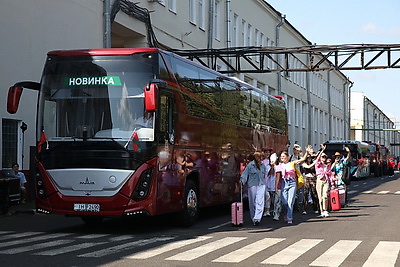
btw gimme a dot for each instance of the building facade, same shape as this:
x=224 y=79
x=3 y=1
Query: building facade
x=369 y=123
x=317 y=103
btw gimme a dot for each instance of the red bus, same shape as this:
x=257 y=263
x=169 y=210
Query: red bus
x=122 y=132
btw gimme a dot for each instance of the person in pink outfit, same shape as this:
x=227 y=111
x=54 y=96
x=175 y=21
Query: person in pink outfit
x=325 y=178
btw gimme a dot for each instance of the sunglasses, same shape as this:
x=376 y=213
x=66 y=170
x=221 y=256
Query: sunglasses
x=323 y=157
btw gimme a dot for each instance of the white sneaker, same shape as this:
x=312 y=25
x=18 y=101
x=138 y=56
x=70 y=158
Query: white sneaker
x=326 y=214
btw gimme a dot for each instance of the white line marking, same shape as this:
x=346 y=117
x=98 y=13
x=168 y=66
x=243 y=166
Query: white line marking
x=68 y=249
x=383 y=192
x=92 y=236
x=218 y=226
x=336 y=254
x=249 y=250
x=36 y=246
x=205 y=249
x=32 y=239
x=384 y=254
x=19 y=235
x=165 y=248
x=291 y=253
x=367 y=192
x=123 y=247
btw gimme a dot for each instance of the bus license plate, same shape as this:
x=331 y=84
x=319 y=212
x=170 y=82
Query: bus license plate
x=86 y=207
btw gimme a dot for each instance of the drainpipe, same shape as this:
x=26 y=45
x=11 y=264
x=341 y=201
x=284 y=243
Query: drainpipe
x=329 y=106
x=107 y=24
x=277 y=44
x=210 y=28
x=308 y=89
x=228 y=28
x=348 y=104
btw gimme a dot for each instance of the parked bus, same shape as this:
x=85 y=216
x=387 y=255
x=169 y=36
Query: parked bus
x=359 y=166
x=122 y=132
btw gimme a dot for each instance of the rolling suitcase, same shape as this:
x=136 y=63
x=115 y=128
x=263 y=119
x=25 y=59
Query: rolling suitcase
x=334 y=199
x=237 y=210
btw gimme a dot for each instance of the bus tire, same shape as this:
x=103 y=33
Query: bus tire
x=190 y=211
x=92 y=220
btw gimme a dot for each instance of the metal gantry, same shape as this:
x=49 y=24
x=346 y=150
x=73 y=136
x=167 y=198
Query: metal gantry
x=311 y=58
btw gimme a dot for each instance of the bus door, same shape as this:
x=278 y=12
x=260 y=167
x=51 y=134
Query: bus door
x=169 y=180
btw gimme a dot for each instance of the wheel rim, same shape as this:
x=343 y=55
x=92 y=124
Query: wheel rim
x=191 y=203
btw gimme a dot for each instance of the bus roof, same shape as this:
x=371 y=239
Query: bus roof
x=102 y=52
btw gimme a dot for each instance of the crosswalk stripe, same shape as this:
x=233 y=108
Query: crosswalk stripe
x=168 y=247
x=205 y=249
x=397 y=193
x=32 y=239
x=291 y=253
x=121 y=238
x=68 y=249
x=123 y=247
x=92 y=236
x=249 y=250
x=18 y=235
x=368 y=192
x=6 y=232
x=383 y=192
x=336 y=254
x=384 y=254
x=36 y=246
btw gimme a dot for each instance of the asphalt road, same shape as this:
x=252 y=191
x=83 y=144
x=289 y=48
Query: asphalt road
x=366 y=233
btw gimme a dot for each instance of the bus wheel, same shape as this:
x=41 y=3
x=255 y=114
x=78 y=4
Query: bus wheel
x=190 y=211
x=92 y=220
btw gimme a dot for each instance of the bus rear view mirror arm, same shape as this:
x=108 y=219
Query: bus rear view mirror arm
x=15 y=92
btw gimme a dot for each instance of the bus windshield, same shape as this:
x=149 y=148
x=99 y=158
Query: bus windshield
x=95 y=97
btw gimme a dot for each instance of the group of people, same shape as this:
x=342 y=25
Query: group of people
x=273 y=184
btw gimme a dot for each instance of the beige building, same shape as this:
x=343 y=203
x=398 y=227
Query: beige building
x=317 y=102
x=369 y=123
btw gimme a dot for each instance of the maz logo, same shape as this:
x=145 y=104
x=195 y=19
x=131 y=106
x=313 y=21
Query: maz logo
x=87 y=181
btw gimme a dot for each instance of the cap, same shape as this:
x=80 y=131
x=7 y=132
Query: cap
x=266 y=148
x=296 y=146
x=337 y=154
x=323 y=155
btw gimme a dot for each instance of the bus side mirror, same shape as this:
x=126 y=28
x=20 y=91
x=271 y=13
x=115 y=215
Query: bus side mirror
x=150 y=97
x=14 y=95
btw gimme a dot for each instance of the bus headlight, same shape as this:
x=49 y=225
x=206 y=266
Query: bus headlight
x=142 y=189
x=40 y=186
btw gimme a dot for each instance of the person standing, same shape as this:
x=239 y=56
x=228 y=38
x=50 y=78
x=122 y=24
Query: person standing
x=299 y=202
x=288 y=182
x=339 y=166
x=310 y=183
x=269 y=181
x=324 y=180
x=253 y=175
x=22 y=180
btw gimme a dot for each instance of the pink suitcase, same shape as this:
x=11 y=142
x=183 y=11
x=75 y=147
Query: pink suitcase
x=334 y=199
x=237 y=210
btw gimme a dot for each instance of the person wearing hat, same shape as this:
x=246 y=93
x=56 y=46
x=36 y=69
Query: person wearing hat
x=324 y=180
x=339 y=166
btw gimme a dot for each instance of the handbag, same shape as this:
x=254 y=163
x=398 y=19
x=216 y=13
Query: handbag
x=299 y=177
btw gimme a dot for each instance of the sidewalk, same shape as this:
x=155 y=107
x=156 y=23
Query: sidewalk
x=26 y=208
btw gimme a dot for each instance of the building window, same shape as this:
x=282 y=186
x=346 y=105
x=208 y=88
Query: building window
x=235 y=38
x=172 y=5
x=9 y=142
x=249 y=35
x=217 y=21
x=244 y=32
x=192 y=11
x=202 y=15
x=289 y=109
x=296 y=112
x=303 y=115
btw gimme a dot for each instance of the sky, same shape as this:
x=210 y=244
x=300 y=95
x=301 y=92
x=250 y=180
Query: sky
x=353 y=22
